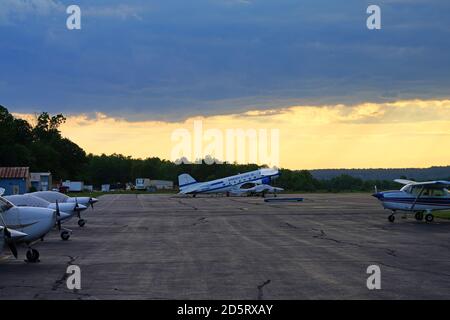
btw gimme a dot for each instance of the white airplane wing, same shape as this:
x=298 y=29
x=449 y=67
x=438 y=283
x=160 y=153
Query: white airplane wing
x=437 y=183
x=404 y=181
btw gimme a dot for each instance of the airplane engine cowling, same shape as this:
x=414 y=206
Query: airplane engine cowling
x=266 y=180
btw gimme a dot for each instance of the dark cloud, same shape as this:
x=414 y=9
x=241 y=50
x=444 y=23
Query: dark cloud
x=171 y=59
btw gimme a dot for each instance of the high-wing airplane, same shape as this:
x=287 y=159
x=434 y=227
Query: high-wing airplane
x=53 y=197
x=229 y=185
x=69 y=209
x=421 y=198
x=29 y=225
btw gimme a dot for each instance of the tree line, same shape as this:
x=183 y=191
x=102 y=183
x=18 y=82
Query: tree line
x=41 y=147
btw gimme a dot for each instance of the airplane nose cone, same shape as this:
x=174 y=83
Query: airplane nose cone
x=63 y=216
x=378 y=195
x=80 y=207
x=94 y=200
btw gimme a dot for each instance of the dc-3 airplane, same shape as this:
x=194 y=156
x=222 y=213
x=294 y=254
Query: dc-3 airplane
x=25 y=225
x=420 y=198
x=253 y=182
x=53 y=197
x=28 y=200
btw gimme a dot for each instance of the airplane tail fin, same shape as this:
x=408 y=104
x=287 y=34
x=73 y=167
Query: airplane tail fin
x=185 y=180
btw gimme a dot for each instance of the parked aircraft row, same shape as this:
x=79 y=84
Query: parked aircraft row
x=27 y=219
x=420 y=198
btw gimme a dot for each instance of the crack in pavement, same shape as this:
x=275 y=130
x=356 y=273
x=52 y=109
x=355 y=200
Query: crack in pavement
x=323 y=236
x=200 y=220
x=391 y=252
x=57 y=284
x=287 y=224
x=260 y=289
x=187 y=205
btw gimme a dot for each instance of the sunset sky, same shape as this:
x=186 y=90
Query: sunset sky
x=340 y=95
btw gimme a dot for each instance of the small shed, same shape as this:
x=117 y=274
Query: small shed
x=15 y=180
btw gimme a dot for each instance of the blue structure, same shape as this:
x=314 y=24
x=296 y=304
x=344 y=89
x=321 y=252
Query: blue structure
x=15 y=180
x=41 y=181
x=283 y=200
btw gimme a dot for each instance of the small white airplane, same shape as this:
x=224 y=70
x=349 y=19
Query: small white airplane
x=420 y=198
x=54 y=196
x=69 y=209
x=257 y=180
x=25 y=225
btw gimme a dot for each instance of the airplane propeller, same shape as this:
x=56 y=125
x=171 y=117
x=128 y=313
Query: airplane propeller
x=91 y=203
x=77 y=208
x=58 y=216
x=8 y=238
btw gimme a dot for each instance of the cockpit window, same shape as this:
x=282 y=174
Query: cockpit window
x=406 y=189
x=427 y=192
x=415 y=190
x=439 y=193
x=5 y=205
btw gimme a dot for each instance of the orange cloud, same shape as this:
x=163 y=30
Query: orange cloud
x=410 y=133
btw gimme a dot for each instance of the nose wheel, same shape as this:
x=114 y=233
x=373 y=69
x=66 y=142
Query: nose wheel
x=32 y=255
x=429 y=218
x=65 y=235
x=81 y=223
x=391 y=218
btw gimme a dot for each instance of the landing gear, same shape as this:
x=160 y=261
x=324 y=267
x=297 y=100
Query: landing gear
x=419 y=216
x=32 y=255
x=193 y=196
x=65 y=235
x=429 y=217
x=81 y=223
x=391 y=218
x=228 y=193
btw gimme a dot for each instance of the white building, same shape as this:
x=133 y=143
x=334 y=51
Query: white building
x=41 y=181
x=161 y=184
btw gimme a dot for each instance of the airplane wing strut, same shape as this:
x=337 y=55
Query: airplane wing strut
x=417 y=198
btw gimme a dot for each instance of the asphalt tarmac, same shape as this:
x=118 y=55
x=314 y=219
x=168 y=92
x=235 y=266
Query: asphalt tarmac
x=213 y=247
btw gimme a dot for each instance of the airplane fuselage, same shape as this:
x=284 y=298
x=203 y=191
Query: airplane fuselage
x=404 y=201
x=35 y=222
x=229 y=184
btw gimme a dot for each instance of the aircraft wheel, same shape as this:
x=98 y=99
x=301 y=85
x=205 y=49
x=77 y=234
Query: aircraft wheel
x=65 y=235
x=429 y=218
x=391 y=218
x=32 y=255
x=81 y=223
x=419 y=216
